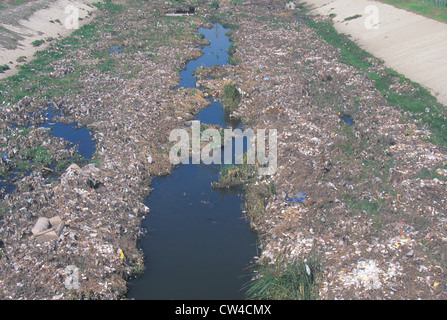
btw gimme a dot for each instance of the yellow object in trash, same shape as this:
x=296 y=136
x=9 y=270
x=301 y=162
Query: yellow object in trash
x=121 y=254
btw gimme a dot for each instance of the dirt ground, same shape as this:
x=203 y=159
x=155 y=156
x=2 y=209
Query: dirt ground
x=409 y=43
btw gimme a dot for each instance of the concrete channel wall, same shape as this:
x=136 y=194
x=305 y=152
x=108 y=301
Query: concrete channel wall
x=409 y=43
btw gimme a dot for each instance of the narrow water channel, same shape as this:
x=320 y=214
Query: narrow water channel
x=198 y=244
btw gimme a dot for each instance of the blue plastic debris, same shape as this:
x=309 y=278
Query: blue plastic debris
x=348 y=120
x=115 y=49
x=298 y=198
x=266 y=78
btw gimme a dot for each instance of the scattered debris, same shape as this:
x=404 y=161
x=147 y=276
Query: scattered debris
x=372 y=195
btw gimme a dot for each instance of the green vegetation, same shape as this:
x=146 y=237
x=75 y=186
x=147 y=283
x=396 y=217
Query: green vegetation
x=240 y=176
x=422 y=105
x=19 y=2
x=4 y=68
x=292 y=281
x=37 y=43
x=41 y=77
x=233 y=60
x=415 y=102
x=231 y=97
x=62 y=165
x=435 y=173
x=353 y=17
x=21 y=59
x=30 y=80
x=225 y=18
x=232 y=49
x=434 y=9
x=112 y=8
x=234 y=176
x=39 y=155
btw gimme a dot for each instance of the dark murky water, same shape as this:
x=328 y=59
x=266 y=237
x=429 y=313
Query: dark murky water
x=78 y=136
x=198 y=244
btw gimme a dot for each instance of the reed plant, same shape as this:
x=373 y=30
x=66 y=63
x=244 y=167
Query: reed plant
x=289 y=281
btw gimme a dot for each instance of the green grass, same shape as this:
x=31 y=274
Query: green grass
x=423 y=7
x=234 y=60
x=293 y=281
x=419 y=102
x=113 y=8
x=39 y=155
x=224 y=18
x=353 y=17
x=29 y=80
x=350 y=52
x=231 y=97
x=435 y=173
x=232 y=175
x=3 y=68
x=19 y=2
x=232 y=49
x=37 y=43
x=62 y=165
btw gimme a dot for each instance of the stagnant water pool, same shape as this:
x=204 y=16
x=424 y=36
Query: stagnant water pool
x=198 y=243
x=80 y=137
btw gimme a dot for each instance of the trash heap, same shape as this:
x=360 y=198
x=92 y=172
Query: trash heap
x=74 y=235
x=358 y=184
x=371 y=187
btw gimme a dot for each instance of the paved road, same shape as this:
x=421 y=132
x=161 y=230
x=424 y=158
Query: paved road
x=411 y=44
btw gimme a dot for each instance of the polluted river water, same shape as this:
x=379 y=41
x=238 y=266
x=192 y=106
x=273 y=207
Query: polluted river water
x=79 y=137
x=198 y=243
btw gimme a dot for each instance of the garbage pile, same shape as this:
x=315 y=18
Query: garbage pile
x=374 y=186
x=74 y=235
x=368 y=197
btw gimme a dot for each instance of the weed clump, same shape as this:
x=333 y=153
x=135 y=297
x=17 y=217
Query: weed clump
x=293 y=281
x=4 y=68
x=231 y=97
x=37 y=43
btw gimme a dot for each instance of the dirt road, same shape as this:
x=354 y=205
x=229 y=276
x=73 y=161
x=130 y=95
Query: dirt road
x=411 y=44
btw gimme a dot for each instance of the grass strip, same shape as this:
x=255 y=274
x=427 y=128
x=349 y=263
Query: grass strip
x=419 y=102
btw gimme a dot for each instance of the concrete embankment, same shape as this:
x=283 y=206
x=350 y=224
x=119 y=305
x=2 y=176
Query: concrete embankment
x=29 y=27
x=409 y=43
